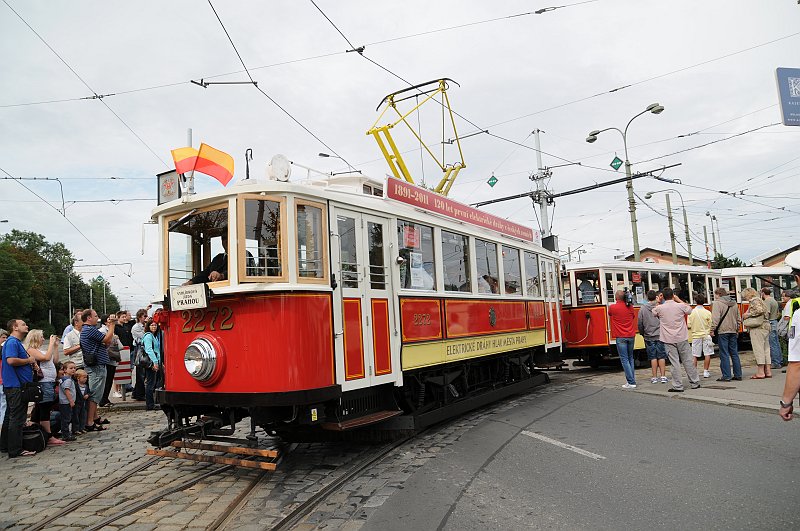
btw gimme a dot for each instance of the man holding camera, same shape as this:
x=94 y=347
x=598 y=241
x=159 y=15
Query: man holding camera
x=623 y=327
x=675 y=336
x=93 y=345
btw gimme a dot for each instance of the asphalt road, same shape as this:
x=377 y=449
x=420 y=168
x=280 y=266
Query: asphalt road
x=646 y=462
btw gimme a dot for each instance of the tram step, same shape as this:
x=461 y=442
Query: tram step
x=366 y=420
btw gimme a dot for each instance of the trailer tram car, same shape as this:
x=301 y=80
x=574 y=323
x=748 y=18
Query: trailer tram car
x=737 y=279
x=588 y=290
x=346 y=302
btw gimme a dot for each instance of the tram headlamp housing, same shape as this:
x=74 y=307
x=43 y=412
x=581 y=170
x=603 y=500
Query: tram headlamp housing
x=201 y=359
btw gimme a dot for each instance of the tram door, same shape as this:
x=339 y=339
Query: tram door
x=550 y=284
x=365 y=353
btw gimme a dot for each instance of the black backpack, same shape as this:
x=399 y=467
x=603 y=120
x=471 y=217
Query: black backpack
x=33 y=438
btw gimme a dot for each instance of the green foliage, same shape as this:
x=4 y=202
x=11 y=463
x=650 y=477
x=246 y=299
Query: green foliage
x=35 y=281
x=721 y=261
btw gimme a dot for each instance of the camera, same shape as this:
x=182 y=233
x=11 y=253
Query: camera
x=627 y=296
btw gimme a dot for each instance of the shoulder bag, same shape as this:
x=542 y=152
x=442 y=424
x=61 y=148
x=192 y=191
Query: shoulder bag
x=754 y=322
x=143 y=361
x=30 y=391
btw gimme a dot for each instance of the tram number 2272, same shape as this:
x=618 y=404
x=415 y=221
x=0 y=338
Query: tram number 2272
x=193 y=319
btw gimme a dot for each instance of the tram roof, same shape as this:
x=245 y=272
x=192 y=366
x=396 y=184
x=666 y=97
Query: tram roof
x=349 y=189
x=638 y=266
x=755 y=270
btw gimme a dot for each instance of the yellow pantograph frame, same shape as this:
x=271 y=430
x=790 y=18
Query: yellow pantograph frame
x=388 y=147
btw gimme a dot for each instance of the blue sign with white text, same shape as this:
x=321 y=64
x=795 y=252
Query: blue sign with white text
x=789 y=93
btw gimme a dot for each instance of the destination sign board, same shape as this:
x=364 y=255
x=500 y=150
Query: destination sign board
x=432 y=202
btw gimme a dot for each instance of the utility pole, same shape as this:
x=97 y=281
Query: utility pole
x=541 y=188
x=705 y=237
x=686 y=229
x=671 y=231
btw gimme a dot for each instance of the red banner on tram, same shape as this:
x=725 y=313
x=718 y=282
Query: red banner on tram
x=418 y=197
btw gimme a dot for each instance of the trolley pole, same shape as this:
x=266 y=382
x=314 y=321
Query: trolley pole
x=541 y=188
x=671 y=231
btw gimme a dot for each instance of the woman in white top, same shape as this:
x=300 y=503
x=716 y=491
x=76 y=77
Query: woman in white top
x=47 y=363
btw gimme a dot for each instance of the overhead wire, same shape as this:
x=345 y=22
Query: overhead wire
x=85 y=83
x=255 y=84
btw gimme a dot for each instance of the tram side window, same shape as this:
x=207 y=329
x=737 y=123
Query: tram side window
x=639 y=286
x=532 y=274
x=699 y=286
x=680 y=283
x=262 y=238
x=588 y=286
x=310 y=246
x=196 y=245
x=486 y=260
x=565 y=288
x=511 y=271
x=416 y=248
x=455 y=262
x=659 y=280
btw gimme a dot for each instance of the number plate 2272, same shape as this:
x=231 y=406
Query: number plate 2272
x=218 y=319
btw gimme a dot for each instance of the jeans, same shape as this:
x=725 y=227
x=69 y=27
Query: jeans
x=625 y=351
x=151 y=380
x=11 y=434
x=2 y=405
x=729 y=350
x=655 y=349
x=775 y=353
x=66 y=419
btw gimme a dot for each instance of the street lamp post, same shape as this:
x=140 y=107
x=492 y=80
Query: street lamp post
x=654 y=108
x=713 y=237
x=350 y=169
x=648 y=195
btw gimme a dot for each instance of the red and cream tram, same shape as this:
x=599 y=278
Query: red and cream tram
x=588 y=290
x=346 y=301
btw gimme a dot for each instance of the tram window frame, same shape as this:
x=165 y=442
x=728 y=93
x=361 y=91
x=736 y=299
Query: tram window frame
x=283 y=252
x=411 y=262
x=533 y=284
x=198 y=263
x=644 y=280
x=322 y=239
x=656 y=284
x=705 y=293
x=509 y=270
x=675 y=283
x=464 y=266
x=484 y=268
x=597 y=292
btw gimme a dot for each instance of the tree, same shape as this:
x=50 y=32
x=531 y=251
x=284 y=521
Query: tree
x=721 y=262
x=16 y=283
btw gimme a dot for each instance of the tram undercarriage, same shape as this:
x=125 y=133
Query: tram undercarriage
x=429 y=395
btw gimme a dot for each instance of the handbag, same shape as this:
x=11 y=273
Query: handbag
x=754 y=322
x=30 y=391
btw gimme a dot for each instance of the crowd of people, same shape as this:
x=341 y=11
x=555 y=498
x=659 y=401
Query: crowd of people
x=674 y=331
x=67 y=387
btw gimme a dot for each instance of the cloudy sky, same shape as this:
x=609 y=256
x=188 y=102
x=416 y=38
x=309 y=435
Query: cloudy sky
x=711 y=64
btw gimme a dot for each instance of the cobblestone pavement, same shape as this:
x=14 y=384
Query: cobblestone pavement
x=36 y=488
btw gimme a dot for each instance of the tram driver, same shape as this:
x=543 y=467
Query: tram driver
x=216 y=270
x=587 y=287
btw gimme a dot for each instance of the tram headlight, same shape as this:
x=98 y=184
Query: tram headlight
x=200 y=359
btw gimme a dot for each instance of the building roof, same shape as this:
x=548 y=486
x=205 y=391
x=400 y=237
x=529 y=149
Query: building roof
x=774 y=253
x=666 y=254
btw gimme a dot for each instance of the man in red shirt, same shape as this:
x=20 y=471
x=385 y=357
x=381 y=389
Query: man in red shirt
x=623 y=326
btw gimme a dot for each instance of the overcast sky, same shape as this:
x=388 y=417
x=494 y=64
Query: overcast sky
x=711 y=64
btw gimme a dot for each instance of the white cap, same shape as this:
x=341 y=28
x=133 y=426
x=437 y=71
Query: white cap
x=793 y=260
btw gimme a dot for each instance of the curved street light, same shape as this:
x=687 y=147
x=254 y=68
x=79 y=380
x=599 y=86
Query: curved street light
x=654 y=108
x=648 y=195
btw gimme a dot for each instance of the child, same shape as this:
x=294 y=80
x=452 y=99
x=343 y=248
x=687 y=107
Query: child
x=699 y=324
x=82 y=398
x=66 y=399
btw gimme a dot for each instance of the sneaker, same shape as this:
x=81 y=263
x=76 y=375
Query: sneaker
x=737 y=378
x=629 y=386
x=674 y=390
x=720 y=379
x=53 y=441
x=696 y=386
x=117 y=394
x=706 y=374
x=653 y=380
x=664 y=379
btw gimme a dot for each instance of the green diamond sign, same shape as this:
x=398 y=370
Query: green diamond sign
x=616 y=163
x=492 y=181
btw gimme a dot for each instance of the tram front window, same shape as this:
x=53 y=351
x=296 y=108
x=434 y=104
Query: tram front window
x=262 y=239
x=197 y=247
x=511 y=270
x=588 y=286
